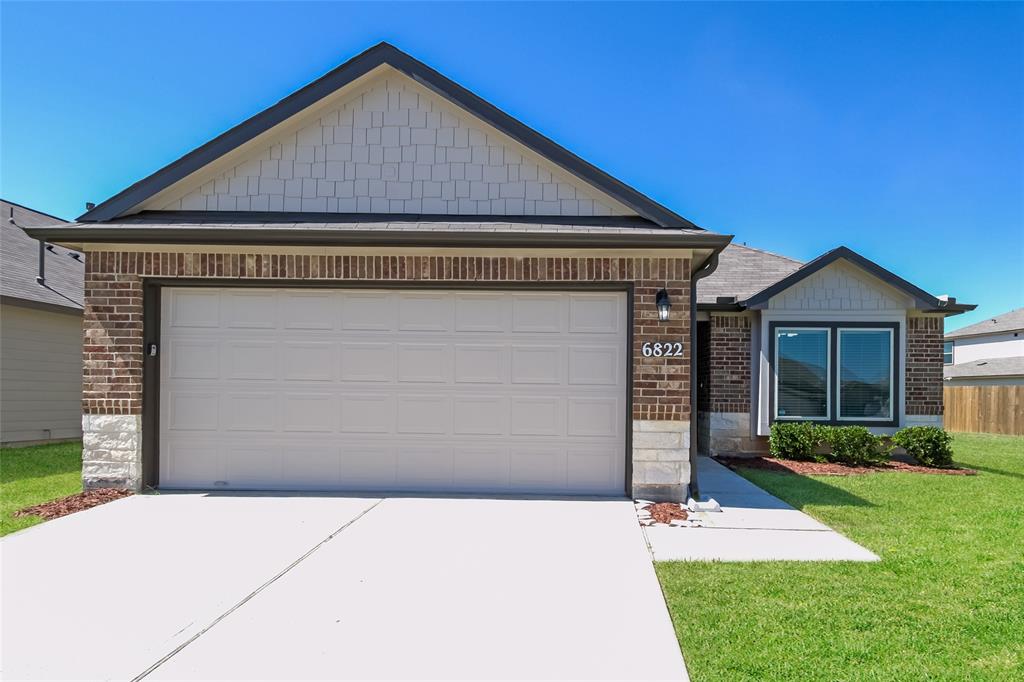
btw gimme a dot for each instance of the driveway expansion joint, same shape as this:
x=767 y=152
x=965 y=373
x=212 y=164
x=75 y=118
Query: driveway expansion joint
x=145 y=673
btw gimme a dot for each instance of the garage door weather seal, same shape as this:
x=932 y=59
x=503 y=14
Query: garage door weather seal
x=145 y=673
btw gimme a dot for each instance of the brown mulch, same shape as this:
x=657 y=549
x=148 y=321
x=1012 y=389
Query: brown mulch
x=73 y=503
x=788 y=466
x=665 y=512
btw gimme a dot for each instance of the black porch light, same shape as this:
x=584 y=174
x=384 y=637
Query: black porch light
x=664 y=304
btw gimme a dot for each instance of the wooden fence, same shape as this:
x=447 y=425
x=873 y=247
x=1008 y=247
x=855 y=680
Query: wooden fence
x=985 y=409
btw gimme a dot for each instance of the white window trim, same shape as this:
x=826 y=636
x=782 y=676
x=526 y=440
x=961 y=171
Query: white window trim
x=952 y=352
x=828 y=374
x=839 y=371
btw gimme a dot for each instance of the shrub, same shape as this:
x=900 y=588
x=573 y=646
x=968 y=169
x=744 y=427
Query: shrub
x=854 y=445
x=795 y=440
x=929 y=445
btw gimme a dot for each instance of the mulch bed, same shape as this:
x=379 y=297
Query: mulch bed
x=666 y=512
x=787 y=466
x=73 y=503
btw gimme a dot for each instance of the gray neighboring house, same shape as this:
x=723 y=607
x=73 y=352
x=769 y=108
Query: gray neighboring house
x=40 y=333
x=988 y=353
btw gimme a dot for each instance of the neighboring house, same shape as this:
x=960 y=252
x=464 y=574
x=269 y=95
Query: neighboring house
x=988 y=353
x=40 y=333
x=838 y=340
x=384 y=282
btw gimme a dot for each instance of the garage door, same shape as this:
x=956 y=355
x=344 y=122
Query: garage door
x=301 y=389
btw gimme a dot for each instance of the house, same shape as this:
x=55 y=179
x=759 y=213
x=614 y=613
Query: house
x=838 y=340
x=989 y=353
x=40 y=333
x=383 y=282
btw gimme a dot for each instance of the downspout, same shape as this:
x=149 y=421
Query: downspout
x=709 y=267
x=41 y=276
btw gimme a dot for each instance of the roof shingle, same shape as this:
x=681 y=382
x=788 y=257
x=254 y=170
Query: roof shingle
x=19 y=261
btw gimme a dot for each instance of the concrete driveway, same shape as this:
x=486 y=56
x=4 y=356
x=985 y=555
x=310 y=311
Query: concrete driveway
x=193 y=586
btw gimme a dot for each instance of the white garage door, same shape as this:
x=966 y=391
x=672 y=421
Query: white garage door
x=300 y=389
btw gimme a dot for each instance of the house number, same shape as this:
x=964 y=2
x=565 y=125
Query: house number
x=662 y=350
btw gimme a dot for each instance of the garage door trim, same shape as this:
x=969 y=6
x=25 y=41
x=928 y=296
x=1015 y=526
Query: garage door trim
x=152 y=292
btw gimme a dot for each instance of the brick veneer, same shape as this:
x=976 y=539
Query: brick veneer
x=924 y=366
x=729 y=363
x=113 y=308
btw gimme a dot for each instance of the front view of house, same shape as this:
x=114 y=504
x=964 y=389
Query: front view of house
x=383 y=282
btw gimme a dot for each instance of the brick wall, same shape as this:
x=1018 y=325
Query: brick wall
x=729 y=363
x=113 y=351
x=924 y=366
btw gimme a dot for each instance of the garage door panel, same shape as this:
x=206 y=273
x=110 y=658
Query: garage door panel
x=425 y=312
x=309 y=310
x=188 y=411
x=193 y=359
x=190 y=308
x=536 y=416
x=481 y=313
x=481 y=415
x=310 y=412
x=537 y=364
x=593 y=416
x=594 y=314
x=250 y=309
x=313 y=361
x=543 y=313
x=367 y=361
x=420 y=362
x=250 y=411
x=481 y=364
x=595 y=365
x=424 y=414
x=447 y=391
x=249 y=360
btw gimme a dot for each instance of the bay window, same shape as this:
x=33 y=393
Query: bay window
x=834 y=372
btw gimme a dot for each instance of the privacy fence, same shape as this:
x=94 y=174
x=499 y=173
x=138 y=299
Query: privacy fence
x=985 y=409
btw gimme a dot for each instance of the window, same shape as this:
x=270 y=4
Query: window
x=802 y=386
x=865 y=374
x=835 y=372
x=947 y=353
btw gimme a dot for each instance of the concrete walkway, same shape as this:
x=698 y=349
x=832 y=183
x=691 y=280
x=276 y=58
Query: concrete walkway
x=752 y=526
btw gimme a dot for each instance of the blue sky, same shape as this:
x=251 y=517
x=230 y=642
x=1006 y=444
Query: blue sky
x=895 y=129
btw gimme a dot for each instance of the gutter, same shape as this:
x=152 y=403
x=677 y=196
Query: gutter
x=709 y=267
x=296 y=236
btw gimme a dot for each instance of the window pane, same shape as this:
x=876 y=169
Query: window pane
x=865 y=374
x=947 y=353
x=802 y=373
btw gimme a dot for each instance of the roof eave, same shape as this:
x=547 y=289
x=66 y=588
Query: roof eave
x=325 y=237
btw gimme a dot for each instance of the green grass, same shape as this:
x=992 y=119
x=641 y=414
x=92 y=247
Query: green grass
x=35 y=474
x=945 y=603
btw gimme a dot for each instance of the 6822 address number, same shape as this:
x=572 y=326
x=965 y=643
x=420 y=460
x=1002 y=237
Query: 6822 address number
x=662 y=350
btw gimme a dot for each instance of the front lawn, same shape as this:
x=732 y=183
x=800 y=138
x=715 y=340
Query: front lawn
x=35 y=474
x=946 y=601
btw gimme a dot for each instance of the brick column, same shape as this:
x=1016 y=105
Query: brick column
x=729 y=376
x=923 y=376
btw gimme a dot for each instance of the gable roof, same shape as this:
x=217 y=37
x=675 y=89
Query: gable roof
x=355 y=68
x=924 y=300
x=1011 y=321
x=992 y=367
x=19 y=263
x=742 y=272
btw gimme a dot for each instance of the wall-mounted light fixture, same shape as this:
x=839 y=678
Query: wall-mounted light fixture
x=664 y=304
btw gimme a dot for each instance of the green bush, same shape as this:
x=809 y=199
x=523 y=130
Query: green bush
x=929 y=445
x=795 y=440
x=854 y=445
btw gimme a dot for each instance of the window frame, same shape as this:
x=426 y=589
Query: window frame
x=833 y=370
x=828 y=374
x=839 y=368
x=952 y=347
